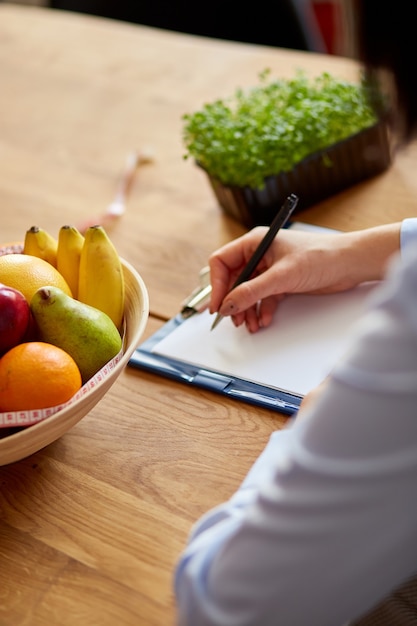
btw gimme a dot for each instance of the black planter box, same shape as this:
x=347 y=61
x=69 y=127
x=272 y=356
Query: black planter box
x=317 y=177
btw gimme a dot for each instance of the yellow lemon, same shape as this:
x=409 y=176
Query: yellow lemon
x=28 y=273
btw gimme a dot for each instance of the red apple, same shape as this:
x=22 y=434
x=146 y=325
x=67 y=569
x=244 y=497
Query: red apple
x=14 y=317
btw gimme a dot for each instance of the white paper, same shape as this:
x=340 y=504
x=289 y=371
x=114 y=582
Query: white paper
x=307 y=336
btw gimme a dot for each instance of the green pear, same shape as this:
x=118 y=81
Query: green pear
x=87 y=334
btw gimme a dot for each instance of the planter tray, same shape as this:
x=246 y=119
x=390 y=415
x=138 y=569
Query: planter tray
x=314 y=179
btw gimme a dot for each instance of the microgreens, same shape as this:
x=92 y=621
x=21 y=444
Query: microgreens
x=270 y=128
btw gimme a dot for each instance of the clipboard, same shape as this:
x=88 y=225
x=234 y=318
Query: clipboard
x=234 y=387
x=273 y=368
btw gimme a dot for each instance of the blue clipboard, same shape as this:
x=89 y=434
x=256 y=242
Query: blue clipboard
x=235 y=388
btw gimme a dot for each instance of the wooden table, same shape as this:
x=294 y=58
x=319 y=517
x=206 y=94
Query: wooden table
x=91 y=526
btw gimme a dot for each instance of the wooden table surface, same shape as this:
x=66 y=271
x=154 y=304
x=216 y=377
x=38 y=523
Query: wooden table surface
x=91 y=526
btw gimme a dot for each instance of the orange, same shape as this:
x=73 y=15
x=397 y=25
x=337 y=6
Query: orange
x=37 y=375
x=28 y=273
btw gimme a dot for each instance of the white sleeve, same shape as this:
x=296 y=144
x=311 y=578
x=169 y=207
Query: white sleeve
x=325 y=523
x=408 y=235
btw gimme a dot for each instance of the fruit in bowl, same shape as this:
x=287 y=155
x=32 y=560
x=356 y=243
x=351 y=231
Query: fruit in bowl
x=14 y=318
x=86 y=333
x=123 y=332
x=35 y=374
x=27 y=273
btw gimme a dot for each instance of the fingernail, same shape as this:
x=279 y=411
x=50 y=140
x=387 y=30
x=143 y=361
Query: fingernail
x=228 y=308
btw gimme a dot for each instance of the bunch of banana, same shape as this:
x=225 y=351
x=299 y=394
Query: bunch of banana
x=101 y=279
x=90 y=264
x=38 y=242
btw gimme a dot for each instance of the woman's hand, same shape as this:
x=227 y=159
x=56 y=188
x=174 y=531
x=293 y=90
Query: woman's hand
x=296 y=262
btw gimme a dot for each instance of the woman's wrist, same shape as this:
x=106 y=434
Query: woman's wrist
x=369 y=251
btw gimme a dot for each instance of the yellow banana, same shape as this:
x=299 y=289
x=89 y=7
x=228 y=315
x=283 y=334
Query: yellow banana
x=38 y=242
x=70 y=244
x=101 y=280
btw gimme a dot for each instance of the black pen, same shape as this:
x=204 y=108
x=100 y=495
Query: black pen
x=278 y=222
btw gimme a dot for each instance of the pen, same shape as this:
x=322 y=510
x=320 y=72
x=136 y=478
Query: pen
x=278 y=222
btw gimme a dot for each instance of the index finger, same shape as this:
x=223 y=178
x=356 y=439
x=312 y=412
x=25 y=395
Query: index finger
x=227 y=262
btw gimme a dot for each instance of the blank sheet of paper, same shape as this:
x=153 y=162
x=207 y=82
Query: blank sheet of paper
x=308 y=335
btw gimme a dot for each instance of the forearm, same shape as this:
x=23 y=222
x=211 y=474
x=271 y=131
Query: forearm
x=367 y=252
x=301 y=262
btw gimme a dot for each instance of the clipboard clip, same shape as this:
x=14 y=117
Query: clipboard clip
x=199 y=298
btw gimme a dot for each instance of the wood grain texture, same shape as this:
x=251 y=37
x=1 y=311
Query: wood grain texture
x=82 y=92
x=92 y=525
x=106 y=509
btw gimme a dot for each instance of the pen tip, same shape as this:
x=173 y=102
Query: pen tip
x=216 y=321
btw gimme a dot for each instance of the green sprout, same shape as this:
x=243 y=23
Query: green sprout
x=270 y=128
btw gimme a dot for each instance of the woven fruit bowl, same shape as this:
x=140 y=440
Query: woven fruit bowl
x=27 y=432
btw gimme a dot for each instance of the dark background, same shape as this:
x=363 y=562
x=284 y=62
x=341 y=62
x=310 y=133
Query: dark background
x=261 y=21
